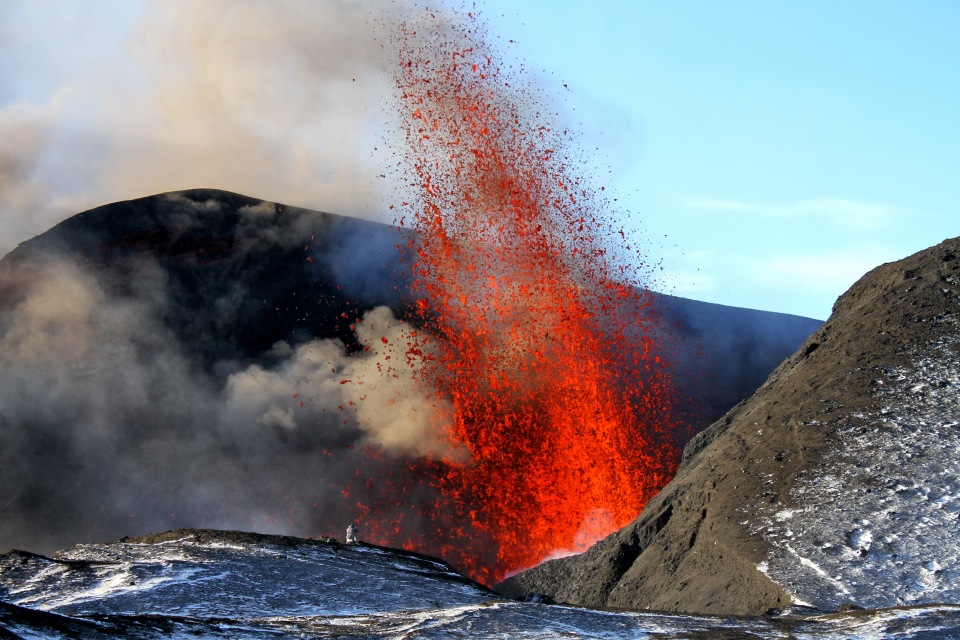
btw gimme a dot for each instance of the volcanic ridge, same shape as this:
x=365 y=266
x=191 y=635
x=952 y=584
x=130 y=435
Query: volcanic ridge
x=835 y=485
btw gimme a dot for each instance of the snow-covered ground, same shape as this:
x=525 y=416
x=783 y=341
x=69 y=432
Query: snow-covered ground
x=243 y=586
x=500 y=620
x=878 y=523
x=235 y=580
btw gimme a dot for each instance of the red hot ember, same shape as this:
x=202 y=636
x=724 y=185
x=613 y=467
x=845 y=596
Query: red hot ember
x=540 y=335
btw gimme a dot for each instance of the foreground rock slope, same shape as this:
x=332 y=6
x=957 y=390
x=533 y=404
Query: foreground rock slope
x=837 y=483
x=225 y=584
x=206 y=573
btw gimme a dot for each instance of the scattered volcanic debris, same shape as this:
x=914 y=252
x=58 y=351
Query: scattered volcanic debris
x=894 y=491
x=560 y=399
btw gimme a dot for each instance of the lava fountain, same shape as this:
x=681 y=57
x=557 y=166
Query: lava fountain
x=539 y=330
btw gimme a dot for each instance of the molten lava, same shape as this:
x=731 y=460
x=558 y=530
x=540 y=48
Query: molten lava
x=539 y=333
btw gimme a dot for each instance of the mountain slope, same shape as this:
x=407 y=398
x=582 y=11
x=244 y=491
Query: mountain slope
x=835 y=483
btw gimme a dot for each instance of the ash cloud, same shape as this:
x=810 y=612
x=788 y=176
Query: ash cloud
x=136 y=399
x=24 y=130
x=280 y=99
x=374 y=390
x=96 y=396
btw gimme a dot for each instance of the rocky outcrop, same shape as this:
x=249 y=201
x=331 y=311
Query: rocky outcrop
x=823 y=488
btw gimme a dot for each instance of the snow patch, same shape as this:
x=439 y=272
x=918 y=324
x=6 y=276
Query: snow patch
x=878 y=524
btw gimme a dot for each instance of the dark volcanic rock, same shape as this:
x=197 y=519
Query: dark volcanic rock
x=234 y=270
x=835 y=484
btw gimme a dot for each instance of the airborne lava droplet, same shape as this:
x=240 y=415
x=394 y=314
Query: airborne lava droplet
x=541 y=336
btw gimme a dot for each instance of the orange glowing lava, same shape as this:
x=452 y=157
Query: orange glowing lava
x=559 y=394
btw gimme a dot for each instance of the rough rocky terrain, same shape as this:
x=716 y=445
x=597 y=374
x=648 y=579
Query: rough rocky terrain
x=223 y=584
x=836 y=484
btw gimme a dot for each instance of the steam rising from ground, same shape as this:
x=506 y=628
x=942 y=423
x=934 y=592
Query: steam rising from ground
x=280 y=99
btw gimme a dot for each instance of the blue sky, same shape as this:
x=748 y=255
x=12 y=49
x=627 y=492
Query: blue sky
x=782 y=148
x=770 y=152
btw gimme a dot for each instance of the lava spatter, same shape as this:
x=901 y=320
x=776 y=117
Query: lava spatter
x=540 y=329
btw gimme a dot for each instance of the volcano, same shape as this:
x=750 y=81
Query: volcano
x=835 y=485
x=168 y=360
x=196 y=359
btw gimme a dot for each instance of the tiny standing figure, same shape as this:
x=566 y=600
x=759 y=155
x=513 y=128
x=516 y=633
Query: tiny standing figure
x=352 y=534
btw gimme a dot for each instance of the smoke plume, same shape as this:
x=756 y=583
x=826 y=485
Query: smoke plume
x=278 y=99
x=374 y=390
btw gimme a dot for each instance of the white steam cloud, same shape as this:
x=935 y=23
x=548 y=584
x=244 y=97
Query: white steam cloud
x=281 y=100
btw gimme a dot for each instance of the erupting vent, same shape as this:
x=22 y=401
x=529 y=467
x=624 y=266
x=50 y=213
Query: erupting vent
x=536 y=334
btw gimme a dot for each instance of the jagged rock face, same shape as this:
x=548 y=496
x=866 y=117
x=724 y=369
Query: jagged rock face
x=150 y=352
x=836 y=483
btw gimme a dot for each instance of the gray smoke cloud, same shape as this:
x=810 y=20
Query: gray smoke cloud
x=108 y=428
x=116 y=100
x=111 y=424
x=88 y=379
x=375 y=389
